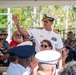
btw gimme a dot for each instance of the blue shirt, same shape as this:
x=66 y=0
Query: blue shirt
x=17 y=69
x=13 y=69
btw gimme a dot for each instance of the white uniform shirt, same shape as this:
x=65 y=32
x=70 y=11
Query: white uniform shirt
x=42 y=34
x=13 y=69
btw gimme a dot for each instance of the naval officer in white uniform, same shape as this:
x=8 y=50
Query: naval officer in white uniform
x=45 y=33
x=41 y=34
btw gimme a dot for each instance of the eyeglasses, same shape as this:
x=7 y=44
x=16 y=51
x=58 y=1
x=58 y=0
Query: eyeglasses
x=1 y=39
x=45 y=46
x=5 y=34
x=18 y=34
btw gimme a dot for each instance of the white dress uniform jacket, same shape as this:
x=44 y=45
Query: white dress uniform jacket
x=41 y=34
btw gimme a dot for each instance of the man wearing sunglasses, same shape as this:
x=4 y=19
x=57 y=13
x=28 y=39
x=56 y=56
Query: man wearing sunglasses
x=16 y=39
x=1 y=49
x=41 y=34
x=5 y=42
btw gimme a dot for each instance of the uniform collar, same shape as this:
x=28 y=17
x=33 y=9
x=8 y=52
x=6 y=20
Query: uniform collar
x=12 y=64
x=48 y=31
x=21 y=67
x=24 y=71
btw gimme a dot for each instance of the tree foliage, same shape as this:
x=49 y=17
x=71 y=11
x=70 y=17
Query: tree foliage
x=3 y=19
x=30 y=16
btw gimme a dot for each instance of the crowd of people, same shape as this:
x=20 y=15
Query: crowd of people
x=36 y=51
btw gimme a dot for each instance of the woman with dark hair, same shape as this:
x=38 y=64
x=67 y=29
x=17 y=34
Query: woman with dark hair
x=46 y=45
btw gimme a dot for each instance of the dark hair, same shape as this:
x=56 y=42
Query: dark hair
x=12 y=58
x=48 y=42
x=69 y=32
x=3 y=31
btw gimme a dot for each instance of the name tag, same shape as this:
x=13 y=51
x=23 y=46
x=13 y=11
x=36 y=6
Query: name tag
x=54 y=38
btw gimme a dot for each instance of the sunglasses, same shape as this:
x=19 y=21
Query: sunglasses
x=5 y=34
x=18 y=34
x=0 y=34
x=1 y=39
x=45 y=46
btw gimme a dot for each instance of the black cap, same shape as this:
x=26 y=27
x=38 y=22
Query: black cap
x=23 y=52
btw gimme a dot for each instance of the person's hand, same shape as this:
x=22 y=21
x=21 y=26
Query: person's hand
x=75 y=41
x=33 y=63
x=11 y=47
x=15 y=19
x=34 y=66
x=67 y=41
x=65 y=53
x=60 y=68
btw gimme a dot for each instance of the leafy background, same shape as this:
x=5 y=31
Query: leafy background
x=31 y=17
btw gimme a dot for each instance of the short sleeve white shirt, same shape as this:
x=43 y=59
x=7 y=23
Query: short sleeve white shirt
x=41 y=34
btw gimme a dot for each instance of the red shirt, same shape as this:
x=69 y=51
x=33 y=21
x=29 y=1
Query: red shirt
x=13 y=43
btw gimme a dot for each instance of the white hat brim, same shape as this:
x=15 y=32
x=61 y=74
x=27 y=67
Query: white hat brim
x=48 y=56
x=25 y=43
